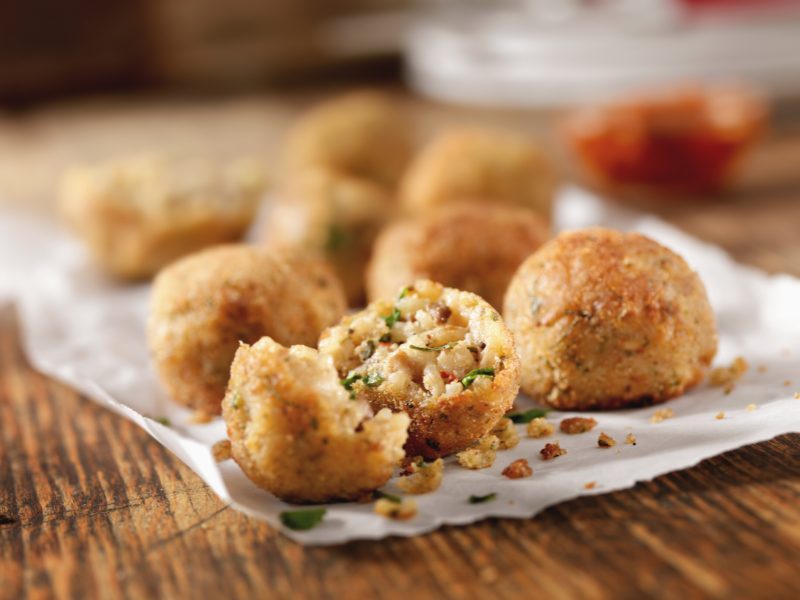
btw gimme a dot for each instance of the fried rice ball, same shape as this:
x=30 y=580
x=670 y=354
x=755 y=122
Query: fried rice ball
x=364 y=134
x=203 y=305
x=484 y=165
x=140 y=213
x=335 y=215
x=441 y=355
x=469 y=247
x=605 y=320
x=296 y=432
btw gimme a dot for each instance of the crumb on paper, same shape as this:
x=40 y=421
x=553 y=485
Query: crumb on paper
x=606 y=441
x=630 y=439
x=762 y=368
x=574 y=425
x=551 y=451
x=518 y=469
x=422 y=477
x=751 y=407
x=662 y=414
x=726 y=377
x=540 y=427
x=399 y=511
x=590 y=485
x=506 y=433
x=787 y=383
x=221 y=450
x=797 y=395
x=481 y=455
x=720 y=416
x=200 y=417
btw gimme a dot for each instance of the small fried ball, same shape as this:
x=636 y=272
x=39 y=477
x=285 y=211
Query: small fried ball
x=140 y=213
x=471 y=247
x=336 y=215
x=442 y=355
x=484 y=165
x=295 y=431
x=364 y=134
x=604 y=319
x=203 y=305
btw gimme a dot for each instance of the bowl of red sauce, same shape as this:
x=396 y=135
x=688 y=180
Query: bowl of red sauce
x=684 y=141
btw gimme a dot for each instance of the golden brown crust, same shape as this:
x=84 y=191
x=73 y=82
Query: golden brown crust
x=203 y=305
x=138 y=214
x=484 y=165
x=335 y=215
x=472 y=247
x=296 y=433
x=608 y=320
x=460 y=333
x=364 y=134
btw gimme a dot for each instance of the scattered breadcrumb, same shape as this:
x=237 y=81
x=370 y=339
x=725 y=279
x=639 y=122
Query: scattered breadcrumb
x=787 y=383
x=221 y=450
x=727 y=377
x=720 y=416
x=506 y=433
x=630 y=439
x=575 y=425
x=797 y=395
x=762 y=368
x=489 y=574
x=606 y=441
x=551 y=451
x=200 y=417
x=400 y=511
x=590 y=485
x=751 y=407
x=518 y=469
x=422 y=477
x=660 y=415
x=481 y=455
x=540 y=427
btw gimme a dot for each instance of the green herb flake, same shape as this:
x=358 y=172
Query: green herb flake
x=386 y=337
x=433 y=348
x=337 y=239
x=470 y=377
x=302 y=520
x=392 y=318
x=404 y=292
x=482 y=499
x=164 y=421
x=350 y=380
x=377 y=495
x=373 y=380
x=528 y=415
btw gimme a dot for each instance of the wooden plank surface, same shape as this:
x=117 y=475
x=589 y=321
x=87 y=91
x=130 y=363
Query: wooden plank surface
x=90 y=506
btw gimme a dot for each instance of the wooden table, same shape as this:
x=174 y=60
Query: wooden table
x=90 y=506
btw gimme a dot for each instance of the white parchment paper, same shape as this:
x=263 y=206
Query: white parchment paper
x=88 y=331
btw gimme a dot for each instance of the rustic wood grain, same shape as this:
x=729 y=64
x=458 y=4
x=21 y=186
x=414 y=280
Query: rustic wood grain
x=90 y=506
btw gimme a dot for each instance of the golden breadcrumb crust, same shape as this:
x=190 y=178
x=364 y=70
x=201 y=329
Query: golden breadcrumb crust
x=296 y=433
x=473 y=247
x=364 y=134
x=203 y=305
x=473 y=164
x=334 y=214
x=604 y=319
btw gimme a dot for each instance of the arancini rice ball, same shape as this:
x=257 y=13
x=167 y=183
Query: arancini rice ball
x=203 y=305
x=441 y=355
x=471 y=247
x=296 y=432
x=364 y=134
x=485 y=165
x=335 y=215
x=605 y=320
x=140 y=213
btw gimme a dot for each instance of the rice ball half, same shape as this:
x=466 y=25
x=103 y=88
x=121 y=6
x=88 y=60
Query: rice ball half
x=442 y=355
x=604 y=320
x=203 y=305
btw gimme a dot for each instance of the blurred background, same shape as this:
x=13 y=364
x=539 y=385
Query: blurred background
x=88 y=80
